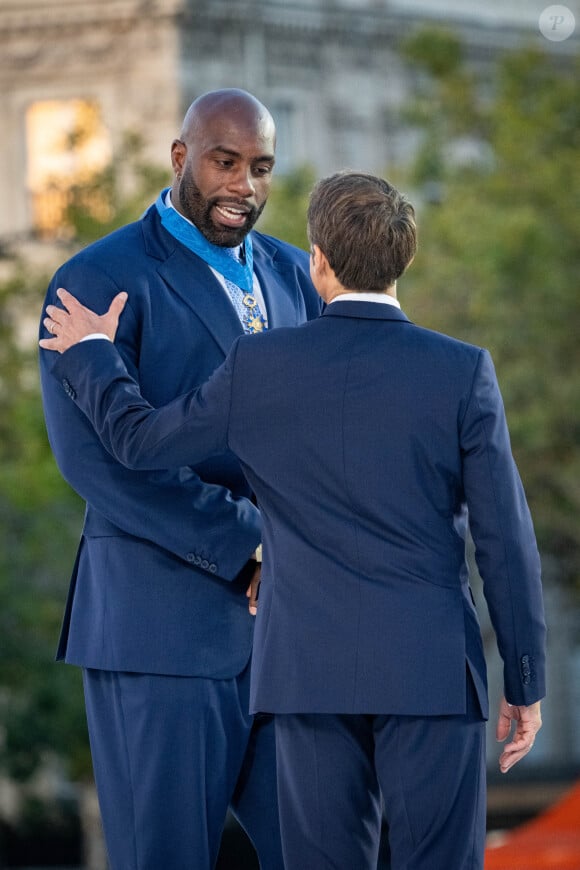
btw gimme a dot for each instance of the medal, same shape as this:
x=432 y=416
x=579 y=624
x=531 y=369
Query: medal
x=254 y=320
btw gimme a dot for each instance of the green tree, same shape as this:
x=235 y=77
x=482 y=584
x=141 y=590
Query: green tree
x=41 y=706
x=40 y=518
x=285 y=213
x=499 y=255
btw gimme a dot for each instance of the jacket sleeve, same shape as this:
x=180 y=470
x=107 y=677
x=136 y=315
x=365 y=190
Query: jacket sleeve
x=175 y=510
x=505 y=544
x=186 y=431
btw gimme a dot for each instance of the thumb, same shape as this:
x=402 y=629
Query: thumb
x=117 y=305
x=110 y=320
x=504 y=721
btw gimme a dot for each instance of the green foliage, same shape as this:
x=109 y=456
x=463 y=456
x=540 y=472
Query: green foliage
x=437 y=50
x=285 y=213
x=40 y=704
x=444 y=103
x=499 y=263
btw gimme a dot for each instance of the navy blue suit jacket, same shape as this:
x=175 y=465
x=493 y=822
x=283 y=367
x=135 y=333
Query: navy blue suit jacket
x=366 y=439
x=154 y=587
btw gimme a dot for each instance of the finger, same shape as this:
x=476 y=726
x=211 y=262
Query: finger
x=49 y=343
x=57 y=315
x=254 y=592
x=68 y=300
x=514 y=752
x=504 y=726
x=523 y=737
x=49 y=324
x=523 y=745
x=507 y=761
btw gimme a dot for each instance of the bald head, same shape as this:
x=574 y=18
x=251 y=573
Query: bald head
x=232 y=103
x=223 y=164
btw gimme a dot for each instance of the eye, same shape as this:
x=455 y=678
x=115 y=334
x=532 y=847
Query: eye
x=263 y=169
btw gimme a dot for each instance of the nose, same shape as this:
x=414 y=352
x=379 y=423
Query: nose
x=242 y=182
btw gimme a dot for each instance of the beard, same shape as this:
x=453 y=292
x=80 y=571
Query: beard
x=198 y=210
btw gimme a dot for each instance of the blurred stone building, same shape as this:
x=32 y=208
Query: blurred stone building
x=78 y=75
x=85 y=73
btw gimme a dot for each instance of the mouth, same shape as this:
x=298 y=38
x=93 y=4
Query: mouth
x=234 y=216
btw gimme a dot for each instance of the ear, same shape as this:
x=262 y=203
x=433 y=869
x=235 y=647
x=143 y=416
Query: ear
x=319 y=261
x=178 y=155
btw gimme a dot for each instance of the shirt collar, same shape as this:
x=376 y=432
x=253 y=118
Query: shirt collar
x=381 y=298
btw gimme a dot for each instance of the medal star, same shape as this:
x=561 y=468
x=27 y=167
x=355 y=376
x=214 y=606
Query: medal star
x=256 y=324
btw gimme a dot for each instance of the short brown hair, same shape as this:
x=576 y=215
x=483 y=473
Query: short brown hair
x=364 y=227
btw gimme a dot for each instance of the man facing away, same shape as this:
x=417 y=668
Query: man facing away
x=157 y=614
x=367 y=443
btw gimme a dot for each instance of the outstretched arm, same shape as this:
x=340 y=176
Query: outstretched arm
x=176 y=510
x=183 y=432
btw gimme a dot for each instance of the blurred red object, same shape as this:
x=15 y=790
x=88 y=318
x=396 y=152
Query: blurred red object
x=549 y=842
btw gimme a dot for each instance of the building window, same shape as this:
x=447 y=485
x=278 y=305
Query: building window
x=67 y=147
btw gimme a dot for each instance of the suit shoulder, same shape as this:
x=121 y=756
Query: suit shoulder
x=447 y=343
x=113 y=255
x=113 y=244
x=277 y=342
x=452 y=358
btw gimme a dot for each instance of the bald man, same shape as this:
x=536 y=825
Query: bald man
x=157 y=614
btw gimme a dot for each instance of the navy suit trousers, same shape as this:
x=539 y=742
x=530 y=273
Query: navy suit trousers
x=171 y=754
x=338 y=773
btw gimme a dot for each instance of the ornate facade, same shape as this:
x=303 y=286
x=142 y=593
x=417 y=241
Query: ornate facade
x=329 y=70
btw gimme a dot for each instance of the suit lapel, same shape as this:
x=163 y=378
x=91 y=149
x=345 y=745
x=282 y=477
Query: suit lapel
x=193 y=281
x=276 y=282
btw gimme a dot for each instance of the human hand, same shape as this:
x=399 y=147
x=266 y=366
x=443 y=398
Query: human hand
x=254 y=589
x=70 y=324
x=528 y=721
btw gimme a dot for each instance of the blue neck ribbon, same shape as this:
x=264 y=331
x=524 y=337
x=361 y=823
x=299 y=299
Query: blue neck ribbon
x=223 y=260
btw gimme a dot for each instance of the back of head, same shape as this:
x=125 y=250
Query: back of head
x=364 y=227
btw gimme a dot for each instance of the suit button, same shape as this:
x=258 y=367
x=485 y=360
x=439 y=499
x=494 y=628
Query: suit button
x=68 y=388
x=190 y=557
x=212 y=568
x=197 y=561
x=527 y=681
x=204 y=564
x=525 y=660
